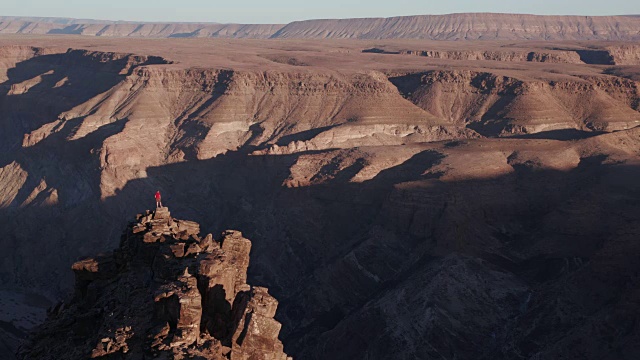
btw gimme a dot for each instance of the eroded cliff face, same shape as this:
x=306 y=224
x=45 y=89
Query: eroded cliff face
x=470 y=26
x=567 y=57
x=384 y=206
x=61 y=26
x=627 y=54
x=165 y=292
x=494 y=105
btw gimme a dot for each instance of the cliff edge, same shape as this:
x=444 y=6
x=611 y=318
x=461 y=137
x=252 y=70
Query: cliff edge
x=461 y=26
x=164 y=293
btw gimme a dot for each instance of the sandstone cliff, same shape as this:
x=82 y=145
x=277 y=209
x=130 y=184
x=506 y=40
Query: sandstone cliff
x=493 y=104
x=471 y=26
x=165 y=292
x=487 y=207
x=624 y=54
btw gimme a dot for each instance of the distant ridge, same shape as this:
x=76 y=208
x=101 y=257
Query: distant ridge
x=470 y=26
x=465 y=26
x=73 y=21
x=108 y=28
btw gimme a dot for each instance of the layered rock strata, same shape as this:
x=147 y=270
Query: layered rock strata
x=622 y=54
x=466 y=26
x=358 y=211
x=164 y=293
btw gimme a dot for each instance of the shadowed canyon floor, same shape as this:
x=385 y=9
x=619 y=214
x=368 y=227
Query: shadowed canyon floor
x=405 y=199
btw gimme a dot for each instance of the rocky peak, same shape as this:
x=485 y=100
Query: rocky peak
x=166 y=292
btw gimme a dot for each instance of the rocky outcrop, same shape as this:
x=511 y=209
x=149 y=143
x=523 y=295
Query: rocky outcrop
x=165 y=292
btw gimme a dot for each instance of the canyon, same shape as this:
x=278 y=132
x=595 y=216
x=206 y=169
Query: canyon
x=404 y=198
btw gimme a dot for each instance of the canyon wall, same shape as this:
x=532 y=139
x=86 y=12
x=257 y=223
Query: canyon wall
x=478 y=26
x=384 y=206
x=61 y=26
x=471 y=26
x=623 y=54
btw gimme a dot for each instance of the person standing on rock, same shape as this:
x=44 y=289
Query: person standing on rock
x=158 y=199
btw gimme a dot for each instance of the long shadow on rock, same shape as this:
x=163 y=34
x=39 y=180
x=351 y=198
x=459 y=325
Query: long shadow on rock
x=61 y=197
x=408 y=84
x=567 y=237
x=303 y=135
x=69 y=166
x=333 y=254
x=192 y=129
x=66 y=81
x=562 y=135
x=304 y=228
x=46 y=230
x=412 y=169
x=492 y=122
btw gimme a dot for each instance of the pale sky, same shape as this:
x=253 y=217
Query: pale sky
x=284 y=11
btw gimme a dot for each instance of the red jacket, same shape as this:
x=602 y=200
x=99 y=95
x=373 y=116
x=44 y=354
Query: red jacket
x=157 y=195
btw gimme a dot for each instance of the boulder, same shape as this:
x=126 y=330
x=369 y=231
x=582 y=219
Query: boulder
x=256 y=332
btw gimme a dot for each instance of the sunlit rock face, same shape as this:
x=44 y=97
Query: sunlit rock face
x=398 y=205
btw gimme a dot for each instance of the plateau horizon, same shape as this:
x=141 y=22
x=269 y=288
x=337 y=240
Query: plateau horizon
x=285 y=11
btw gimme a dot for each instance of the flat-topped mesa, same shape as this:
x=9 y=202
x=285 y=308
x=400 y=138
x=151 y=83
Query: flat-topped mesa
x=166 y=291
